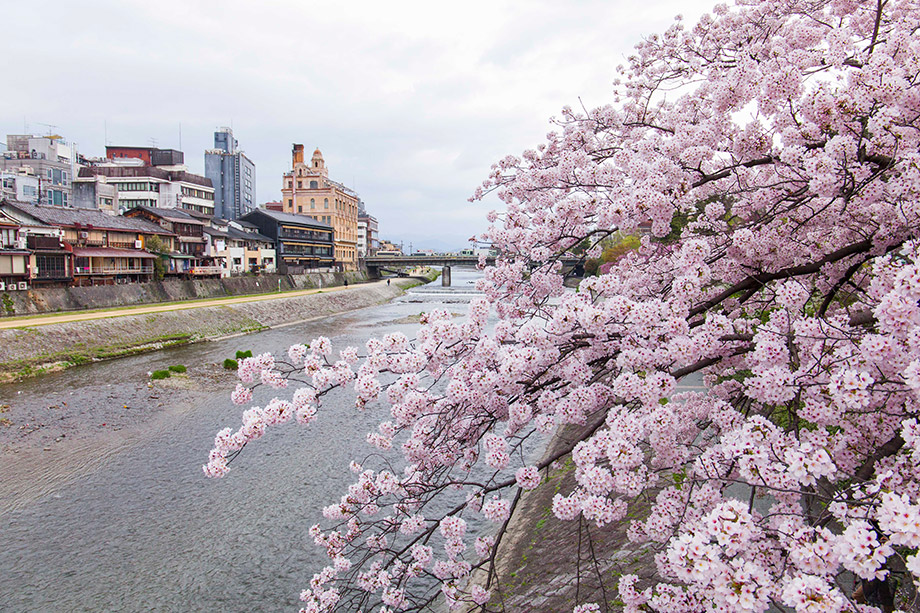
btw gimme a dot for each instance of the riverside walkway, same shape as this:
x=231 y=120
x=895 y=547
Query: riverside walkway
x=49 y=318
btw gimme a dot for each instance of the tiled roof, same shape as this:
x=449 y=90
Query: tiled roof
x=111 y=253
x=214 y=232
x=172 y=215
x=75 y=217
x=251 y=236
x=289 y=218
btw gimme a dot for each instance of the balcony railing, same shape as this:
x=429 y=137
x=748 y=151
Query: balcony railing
x=114 y=270
x=50 y=273
x=206 y=270
x=43 y=242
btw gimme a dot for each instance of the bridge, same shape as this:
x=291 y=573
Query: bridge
x=392 y=263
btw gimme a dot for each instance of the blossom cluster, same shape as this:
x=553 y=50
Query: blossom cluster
x=752 y=368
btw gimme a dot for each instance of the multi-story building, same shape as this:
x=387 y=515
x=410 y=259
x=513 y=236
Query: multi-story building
x=389 y=246
x=307 y=190
x=151 y=156
x=50 y=159
x=14 y=257
x=95 y=192
x=154 y=186
x=85 y=246
x=188 y=257
x=301 y=243
x=232 y=174
x=19 y=184
x=240 y=247
x=368 y=241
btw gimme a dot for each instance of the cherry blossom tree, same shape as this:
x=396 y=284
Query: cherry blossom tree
x=775 y=149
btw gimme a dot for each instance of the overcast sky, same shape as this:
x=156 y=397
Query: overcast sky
x=410 y=102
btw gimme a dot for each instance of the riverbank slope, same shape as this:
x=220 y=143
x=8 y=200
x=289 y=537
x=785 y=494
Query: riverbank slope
x=32 y=350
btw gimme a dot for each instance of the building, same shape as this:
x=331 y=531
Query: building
x=187 y=257
x=240 y=247
x=389 y=246
x=308 y=190
x=301 y=243
x=368 y=235
x=95 y=192
x=85 y=246
x=139 y=184
x=19 y=184
x=232 y=174
x=151 y=156
x=14 y=257
x=50 y=159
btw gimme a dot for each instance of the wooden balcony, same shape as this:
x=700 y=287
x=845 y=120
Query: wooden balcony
x=113 y=270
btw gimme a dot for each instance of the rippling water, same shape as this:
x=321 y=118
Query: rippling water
x=145 y=531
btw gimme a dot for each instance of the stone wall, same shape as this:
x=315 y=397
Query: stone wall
x=57 y=299
x=30 y=351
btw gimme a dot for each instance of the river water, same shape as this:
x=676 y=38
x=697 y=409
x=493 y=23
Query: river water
x=144 y=530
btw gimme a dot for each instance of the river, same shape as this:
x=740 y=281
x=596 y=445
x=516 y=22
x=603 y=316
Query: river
x=140 y=528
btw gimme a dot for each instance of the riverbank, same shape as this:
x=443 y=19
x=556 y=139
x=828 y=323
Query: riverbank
x=50 y=438
x=545 y=564
x=31 y=351
x=63 y=299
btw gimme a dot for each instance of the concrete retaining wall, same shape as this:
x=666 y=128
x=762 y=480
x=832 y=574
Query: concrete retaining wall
x=30 y=351
x=51 y=300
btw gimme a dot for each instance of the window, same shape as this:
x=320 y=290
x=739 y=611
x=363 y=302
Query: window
x=312 y=203
x=314 y=185
x=299 y=184
x=8 y=237
x=50 y=266
x=291 y=202
x=299 y=209
x=325 y=203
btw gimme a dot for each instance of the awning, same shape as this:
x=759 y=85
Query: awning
x=105 y=252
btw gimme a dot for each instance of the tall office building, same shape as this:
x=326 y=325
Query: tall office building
x=233 y=176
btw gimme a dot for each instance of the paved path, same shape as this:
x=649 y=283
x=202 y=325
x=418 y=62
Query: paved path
x=44 y=320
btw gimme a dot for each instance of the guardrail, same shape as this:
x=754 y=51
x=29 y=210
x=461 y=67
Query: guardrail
x=205 y=270
x=115 y=270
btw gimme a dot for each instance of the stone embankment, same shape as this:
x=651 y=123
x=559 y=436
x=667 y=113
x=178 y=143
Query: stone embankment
x=29 y=351
x=55 y=299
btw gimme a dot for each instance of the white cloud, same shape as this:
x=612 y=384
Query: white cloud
x=410 y=101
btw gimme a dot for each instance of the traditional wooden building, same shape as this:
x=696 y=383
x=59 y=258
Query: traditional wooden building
x=88 y=247
x=188 y=257
x=14 y=257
